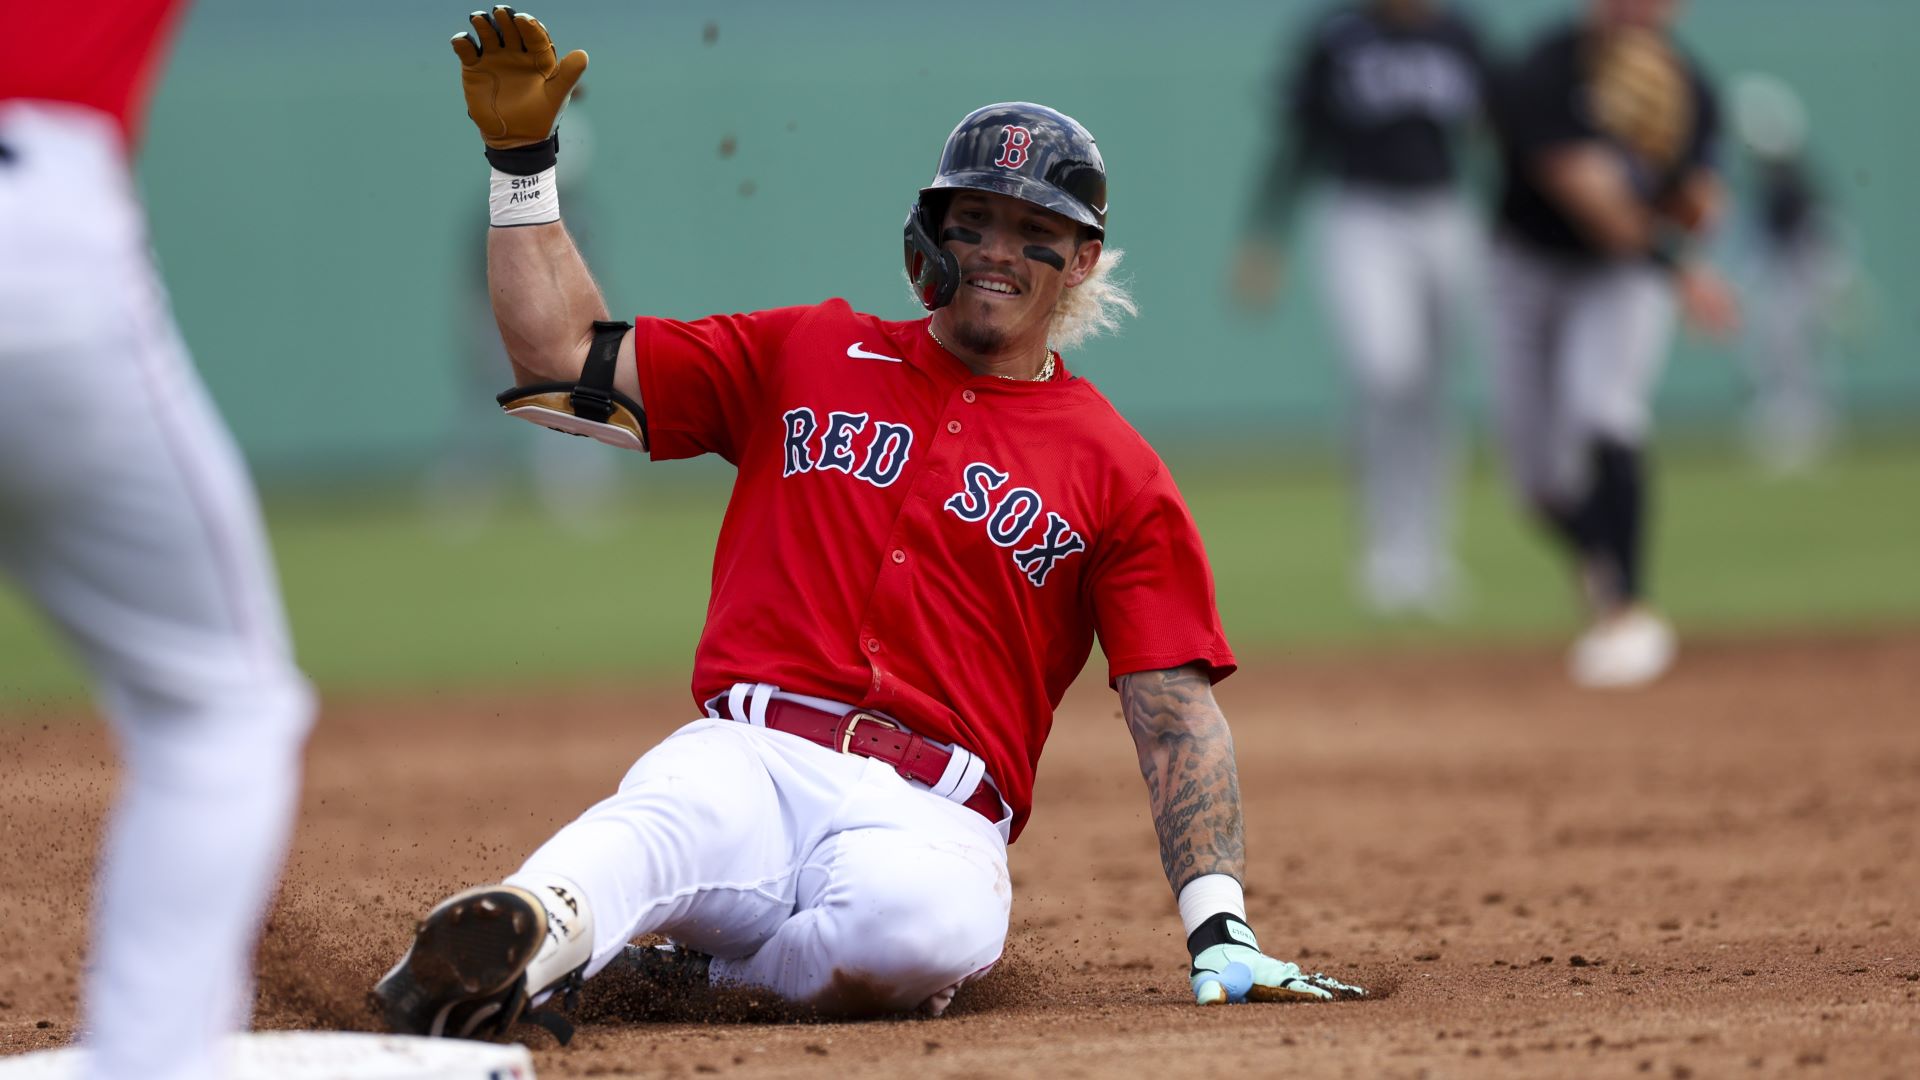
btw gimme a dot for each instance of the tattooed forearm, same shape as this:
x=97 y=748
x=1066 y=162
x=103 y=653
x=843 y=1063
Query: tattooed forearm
x=1186 y=758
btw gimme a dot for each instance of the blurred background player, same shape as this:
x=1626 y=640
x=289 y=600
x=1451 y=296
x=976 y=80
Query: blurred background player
x=571 y=483
x=1794 y=272
x=1607 y=132
x=1378 y=103
x=127 y=515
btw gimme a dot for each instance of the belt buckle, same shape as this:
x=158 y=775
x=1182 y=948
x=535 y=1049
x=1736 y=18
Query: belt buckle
x=853 y=721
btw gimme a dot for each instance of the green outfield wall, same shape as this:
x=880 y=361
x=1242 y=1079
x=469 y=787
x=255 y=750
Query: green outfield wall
x=317 y=191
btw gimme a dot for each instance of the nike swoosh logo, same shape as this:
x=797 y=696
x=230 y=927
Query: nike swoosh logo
x=854 y=350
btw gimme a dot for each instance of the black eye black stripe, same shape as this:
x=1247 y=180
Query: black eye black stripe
x=1036 y=252
x=1045 y=255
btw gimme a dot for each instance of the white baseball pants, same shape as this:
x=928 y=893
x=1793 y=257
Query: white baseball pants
x=823 y=877
x=1578 y=350
x=126 y=514
x=1400 y=271
x=1793 y=288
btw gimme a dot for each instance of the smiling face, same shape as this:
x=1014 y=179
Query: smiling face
x=1015 y=260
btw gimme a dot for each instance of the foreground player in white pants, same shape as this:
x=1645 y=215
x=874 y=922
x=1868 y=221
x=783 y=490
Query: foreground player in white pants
x=127 y=516
x=932 y=520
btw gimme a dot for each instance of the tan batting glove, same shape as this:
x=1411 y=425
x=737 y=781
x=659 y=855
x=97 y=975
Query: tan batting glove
x=514 y=85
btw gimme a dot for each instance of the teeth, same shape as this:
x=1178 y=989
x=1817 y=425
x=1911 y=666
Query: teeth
x=995 y=286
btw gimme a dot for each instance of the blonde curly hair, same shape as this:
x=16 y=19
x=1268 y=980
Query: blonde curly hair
x=1093 y=307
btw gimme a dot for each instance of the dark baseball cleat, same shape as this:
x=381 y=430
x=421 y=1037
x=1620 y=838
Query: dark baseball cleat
x=661 y=969
x=466 y=975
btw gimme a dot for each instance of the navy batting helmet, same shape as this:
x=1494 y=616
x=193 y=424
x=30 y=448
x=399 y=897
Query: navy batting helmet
x=1016 y=148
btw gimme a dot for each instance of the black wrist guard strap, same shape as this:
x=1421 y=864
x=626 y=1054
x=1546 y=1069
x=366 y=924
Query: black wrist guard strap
x=1221 y=929
x=593 y=396
x=527 y=160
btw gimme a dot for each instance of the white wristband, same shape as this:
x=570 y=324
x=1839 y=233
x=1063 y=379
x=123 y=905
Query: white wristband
x=1209 y=895
x=523 y=200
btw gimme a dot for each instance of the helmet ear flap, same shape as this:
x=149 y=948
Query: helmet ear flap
x=932 y=270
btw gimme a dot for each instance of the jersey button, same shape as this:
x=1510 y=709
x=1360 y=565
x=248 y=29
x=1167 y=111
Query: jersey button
x=953 y=427
x=873 y=645
x=967 y=396
x=899 y=556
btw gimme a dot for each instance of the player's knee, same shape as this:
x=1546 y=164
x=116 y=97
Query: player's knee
x=917 y=934
x=226 y=680
x=221 y=734
x=937 y=945
x=1611 y=413
x=1396 y=379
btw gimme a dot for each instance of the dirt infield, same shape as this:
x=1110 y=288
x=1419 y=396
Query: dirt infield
x=1715 y=877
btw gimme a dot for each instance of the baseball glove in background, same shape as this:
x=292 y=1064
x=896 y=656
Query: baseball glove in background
x=515 y=86
x=1639 y=94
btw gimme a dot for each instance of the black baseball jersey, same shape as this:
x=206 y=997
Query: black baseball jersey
x=1541 y=103
x=1378 y=100
x=1788 y=202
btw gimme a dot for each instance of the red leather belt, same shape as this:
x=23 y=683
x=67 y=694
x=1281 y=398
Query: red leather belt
x=863 y=733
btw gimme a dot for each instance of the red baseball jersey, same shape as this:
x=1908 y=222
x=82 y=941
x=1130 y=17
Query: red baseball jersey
x=912 y=538
x=104 y=56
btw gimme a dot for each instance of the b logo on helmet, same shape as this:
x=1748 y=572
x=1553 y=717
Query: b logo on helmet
x=1013 y=147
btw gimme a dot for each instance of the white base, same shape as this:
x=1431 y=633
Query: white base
x=322 y=1055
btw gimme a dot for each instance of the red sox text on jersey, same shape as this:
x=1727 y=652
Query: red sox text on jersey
x=884 y=458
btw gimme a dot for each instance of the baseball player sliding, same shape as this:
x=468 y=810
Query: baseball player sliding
x=932 y=521
x=1608 y=132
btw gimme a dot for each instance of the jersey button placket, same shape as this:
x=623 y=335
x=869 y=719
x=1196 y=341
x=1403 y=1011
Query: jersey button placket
x=928 y=492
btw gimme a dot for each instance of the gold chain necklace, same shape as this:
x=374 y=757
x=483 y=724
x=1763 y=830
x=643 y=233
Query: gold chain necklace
x=1046 y=369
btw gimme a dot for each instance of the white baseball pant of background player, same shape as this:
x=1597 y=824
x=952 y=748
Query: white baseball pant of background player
x=1577 y=349
x=1794 y=285
x=1400 y=274
x=827 y=878
x=126 y=514
x=1796 y=273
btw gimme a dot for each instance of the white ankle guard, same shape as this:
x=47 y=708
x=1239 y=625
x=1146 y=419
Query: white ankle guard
x=569 y=944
